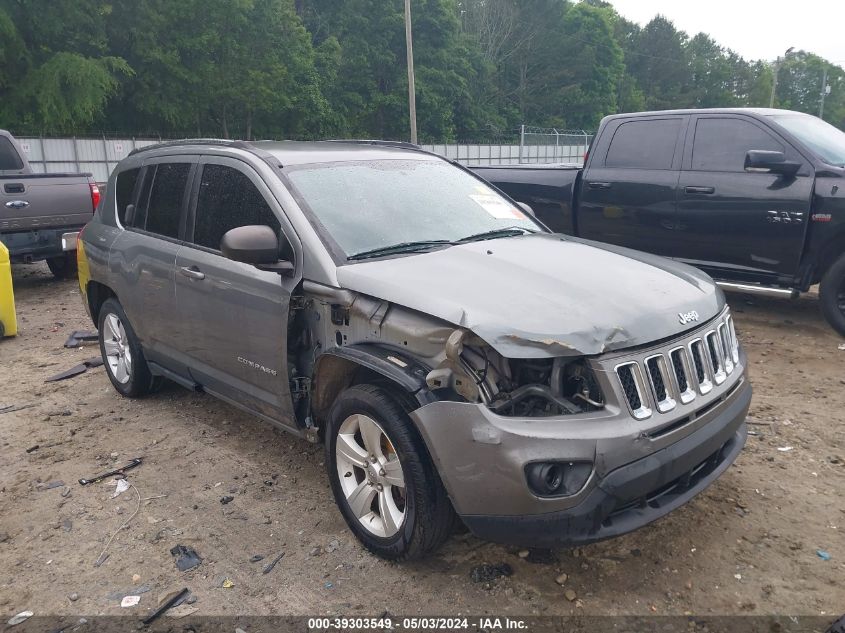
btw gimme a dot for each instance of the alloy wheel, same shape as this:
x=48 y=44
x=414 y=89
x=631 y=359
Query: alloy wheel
x=116 y=346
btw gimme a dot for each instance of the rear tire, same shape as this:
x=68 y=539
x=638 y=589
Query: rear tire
x=63 y=266
x=122 y=355
x=832 y=295
x=383 y=469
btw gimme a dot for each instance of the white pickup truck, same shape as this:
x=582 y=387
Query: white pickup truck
x=42 y=214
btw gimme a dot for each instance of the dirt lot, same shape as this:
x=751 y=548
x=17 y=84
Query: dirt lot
x=748 y=545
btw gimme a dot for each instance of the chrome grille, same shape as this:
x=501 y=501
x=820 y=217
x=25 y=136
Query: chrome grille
x=682 y=373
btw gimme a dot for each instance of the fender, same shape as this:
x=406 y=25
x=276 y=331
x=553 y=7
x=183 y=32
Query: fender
x=397 y=367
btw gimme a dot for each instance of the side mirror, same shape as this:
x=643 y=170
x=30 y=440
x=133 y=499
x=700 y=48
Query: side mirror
x=527 y=208
x=769 y=161
x=256 y=245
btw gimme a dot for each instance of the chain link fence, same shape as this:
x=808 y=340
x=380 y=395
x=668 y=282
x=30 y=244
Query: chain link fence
x=99 y=155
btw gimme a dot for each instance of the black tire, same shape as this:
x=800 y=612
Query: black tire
x=63 y=266
x=838 y=626
x=139 y=381
x=429 y=517
x=832 y=295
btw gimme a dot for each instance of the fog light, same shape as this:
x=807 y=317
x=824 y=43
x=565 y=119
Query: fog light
x=557 y=479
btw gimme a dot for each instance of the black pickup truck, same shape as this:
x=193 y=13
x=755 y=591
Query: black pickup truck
x=754 y=197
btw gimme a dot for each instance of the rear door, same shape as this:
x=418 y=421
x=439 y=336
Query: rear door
x=144 y=256
x=235 y=316
x=734 y=222
x=629 y=188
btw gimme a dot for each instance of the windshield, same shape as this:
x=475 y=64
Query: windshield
x=369 y=205
x=826 y=141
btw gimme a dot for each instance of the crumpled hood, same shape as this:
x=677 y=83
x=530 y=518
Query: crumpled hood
x=545 y=295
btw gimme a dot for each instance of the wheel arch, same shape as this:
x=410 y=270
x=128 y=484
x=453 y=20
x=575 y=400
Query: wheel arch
x=97 y=293
x=832 y=250
x=341 y=367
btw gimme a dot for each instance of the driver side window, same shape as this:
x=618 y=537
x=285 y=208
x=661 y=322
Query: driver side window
x=228 y=199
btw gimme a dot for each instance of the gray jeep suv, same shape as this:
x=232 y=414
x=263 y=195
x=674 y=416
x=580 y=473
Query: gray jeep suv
x=455 y=357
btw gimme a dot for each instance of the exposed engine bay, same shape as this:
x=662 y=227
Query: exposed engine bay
x=523 y=387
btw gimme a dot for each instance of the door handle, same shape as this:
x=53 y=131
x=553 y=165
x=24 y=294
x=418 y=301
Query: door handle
x=707 y=190
x=17 y=204
x=192 y=272
x=598 y=185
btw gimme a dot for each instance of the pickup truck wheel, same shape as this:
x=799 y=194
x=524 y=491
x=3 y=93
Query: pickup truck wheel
x=63 y=266
x=832 y=295
x=122 y=356
x=382 y=477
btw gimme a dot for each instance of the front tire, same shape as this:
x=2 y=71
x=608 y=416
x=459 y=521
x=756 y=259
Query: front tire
x=122 y=355
x=63 y=266
x=832 y=295
x=382 y=477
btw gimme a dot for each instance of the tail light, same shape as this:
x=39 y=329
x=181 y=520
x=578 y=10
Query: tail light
x=95 y=195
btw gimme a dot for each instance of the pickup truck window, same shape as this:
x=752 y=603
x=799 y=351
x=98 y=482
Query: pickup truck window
x=165 y=205
x=9 y=159
x=644 y=144
x=721 y=144
x=365 y=205
x=228 y=199
x=826 y=141
x=123 y=191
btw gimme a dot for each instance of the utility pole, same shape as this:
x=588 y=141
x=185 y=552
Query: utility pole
x=778 y=62
x=825 y=92
x=412 y=92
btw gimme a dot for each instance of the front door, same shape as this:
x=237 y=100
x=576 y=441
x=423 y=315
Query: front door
x=234 y=316
x=732 y=220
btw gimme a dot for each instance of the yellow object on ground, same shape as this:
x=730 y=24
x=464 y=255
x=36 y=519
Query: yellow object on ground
x=8 y=318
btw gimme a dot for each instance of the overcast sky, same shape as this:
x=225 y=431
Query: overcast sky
x=756 y=29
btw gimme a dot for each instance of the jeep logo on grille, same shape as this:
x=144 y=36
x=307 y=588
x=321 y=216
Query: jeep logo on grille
x=688 y=317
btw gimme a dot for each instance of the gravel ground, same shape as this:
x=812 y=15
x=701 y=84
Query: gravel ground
x=753 y=543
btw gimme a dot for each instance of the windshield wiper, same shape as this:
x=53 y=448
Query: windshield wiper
x=510 y=231
x=402 y=247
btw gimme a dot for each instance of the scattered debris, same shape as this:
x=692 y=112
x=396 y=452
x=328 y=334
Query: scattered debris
x=186 y=557
x=523 y=553
x=561 y=580
x=104 y=555
x=9 y=408
x=56 y=483
x=823 y=554
x=20 y=617
x=784 y=449
x=170 y=601
x=181 y=611
x=76 y=370
x=226 y=499
x=227 y=583
x=329 y=585
x=570 y=595
x=130 y=601
x=112 y=473
x=488 y=573
x=255 y=558
x=268 y=568
x=73 y=597
x=841 y=346
x=32 y=449
x=132 y=591
x=121 y=486
x=316 y=551
x=78 y=337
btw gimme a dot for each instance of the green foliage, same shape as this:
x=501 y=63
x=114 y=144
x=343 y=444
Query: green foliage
x=336 y=68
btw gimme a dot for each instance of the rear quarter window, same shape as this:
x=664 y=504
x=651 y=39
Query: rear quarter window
x=9 y=159
x=644 y=144
x=123 y=189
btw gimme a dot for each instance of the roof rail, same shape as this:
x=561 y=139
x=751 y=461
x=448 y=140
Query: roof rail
x=400 y=144
x=193 y=141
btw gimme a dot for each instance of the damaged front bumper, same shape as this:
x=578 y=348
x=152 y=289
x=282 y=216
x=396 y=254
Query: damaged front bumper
x=640 y=471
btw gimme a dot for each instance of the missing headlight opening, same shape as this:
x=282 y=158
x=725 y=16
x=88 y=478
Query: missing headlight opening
x=516 y=387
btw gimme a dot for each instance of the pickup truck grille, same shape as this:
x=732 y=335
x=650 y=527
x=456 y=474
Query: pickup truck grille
x=681 y=373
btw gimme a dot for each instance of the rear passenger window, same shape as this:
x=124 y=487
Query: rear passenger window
x=228 y=199
x=721 y=144
x=124 y=187
x=9 y=158
x=645 y=144
x=165 y=202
